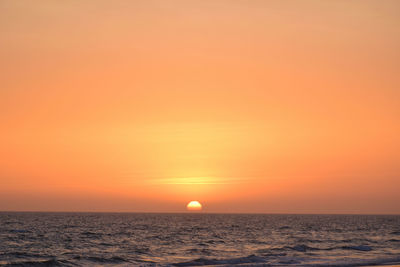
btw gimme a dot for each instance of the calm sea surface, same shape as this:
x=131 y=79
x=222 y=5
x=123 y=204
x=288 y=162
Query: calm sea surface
x=132 y=239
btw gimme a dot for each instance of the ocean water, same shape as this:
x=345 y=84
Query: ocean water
x=135 y=239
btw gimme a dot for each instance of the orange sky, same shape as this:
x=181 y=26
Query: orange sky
x=245 y=106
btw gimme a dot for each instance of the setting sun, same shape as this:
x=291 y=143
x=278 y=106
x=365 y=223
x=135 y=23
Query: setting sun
x=194 y=206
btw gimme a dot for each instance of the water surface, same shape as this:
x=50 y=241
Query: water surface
x=131 y=239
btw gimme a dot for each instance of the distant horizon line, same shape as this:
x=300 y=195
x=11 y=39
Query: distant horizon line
x=201 y=212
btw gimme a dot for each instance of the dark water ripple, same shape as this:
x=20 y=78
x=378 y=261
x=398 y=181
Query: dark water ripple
x=111 y=239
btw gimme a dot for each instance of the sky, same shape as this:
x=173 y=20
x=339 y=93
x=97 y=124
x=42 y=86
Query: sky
x=245 y=106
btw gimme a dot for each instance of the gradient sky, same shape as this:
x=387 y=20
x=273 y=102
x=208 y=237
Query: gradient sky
x=245 y=106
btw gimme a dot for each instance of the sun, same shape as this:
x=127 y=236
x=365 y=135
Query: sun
x=194 y=206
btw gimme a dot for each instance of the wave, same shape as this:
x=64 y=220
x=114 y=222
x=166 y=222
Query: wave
x=305 y=248
x=51 y=262
x=91 y=234
x=19 y=231
x=204 y=251
x=359 y=248
x=215 y=241
x=256 y=261
x=18 y=254
x=298 y=248
x=114 y=259
x=233 y=261
x=356 y=240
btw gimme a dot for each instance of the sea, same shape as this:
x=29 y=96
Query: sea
x=197 y=239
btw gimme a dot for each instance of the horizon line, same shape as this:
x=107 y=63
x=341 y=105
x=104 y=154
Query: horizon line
x=200 y=212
